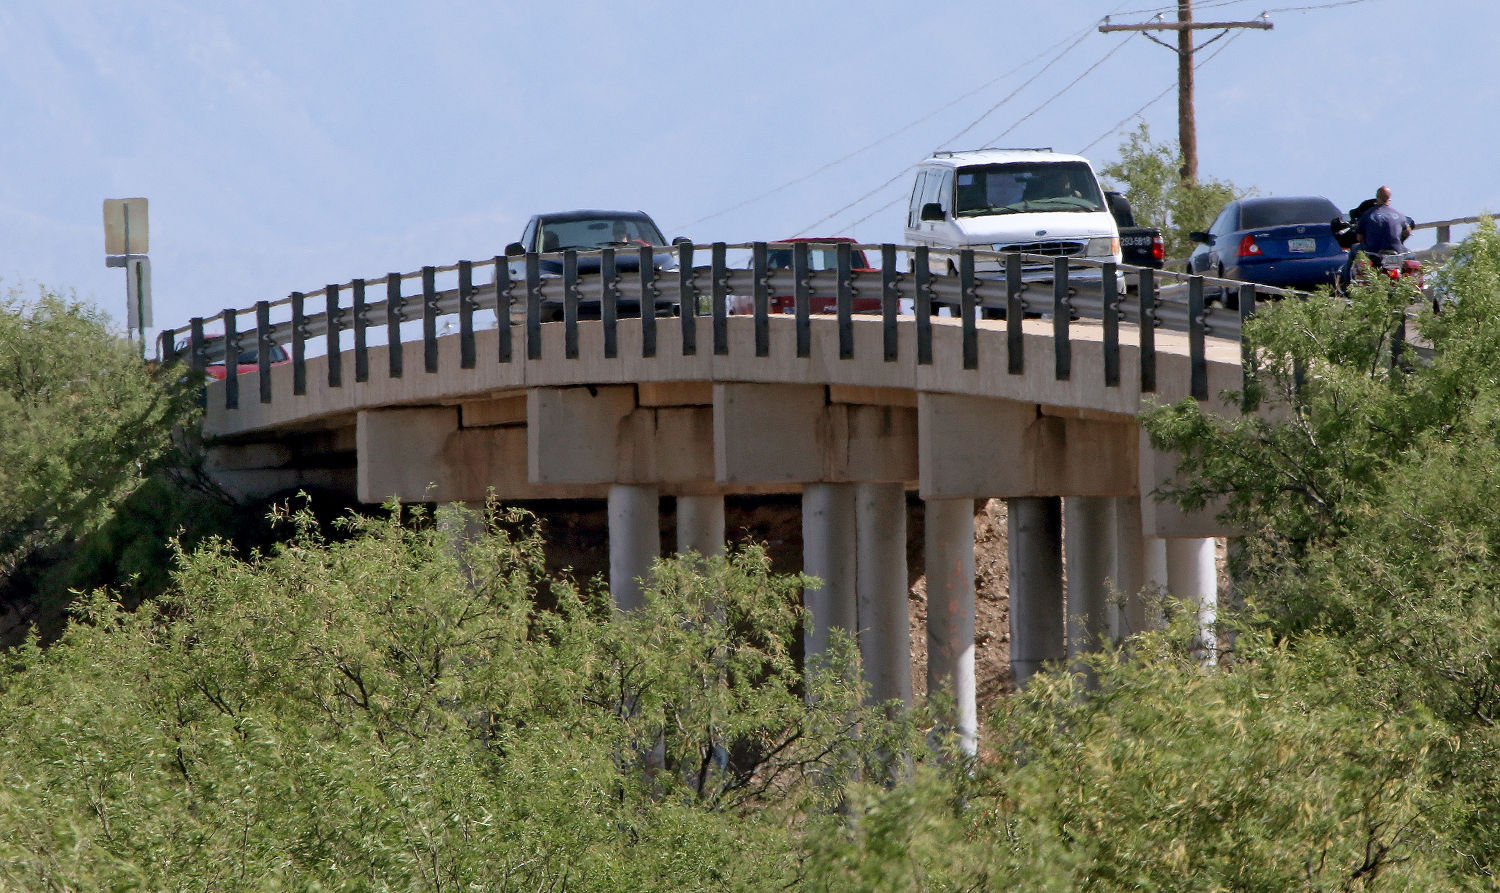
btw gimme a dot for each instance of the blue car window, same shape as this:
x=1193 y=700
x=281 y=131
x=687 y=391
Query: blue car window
x=1287 y=212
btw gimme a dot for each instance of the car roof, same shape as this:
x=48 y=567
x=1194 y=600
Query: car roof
x=999 y=156
x=589 y=214
x=818 y=239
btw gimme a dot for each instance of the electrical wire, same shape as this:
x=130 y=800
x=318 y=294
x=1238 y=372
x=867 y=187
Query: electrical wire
x=895 y=133
x=1059 y=93
x=1160 y=96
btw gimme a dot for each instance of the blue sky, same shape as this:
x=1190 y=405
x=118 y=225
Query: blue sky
x=285 y=145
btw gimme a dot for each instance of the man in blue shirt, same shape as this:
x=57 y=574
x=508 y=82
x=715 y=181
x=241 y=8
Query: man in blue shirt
x=1381 y=230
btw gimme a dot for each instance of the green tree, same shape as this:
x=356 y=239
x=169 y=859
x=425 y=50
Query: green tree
x=85 y=422
x=1147 y=173
x=393 y=710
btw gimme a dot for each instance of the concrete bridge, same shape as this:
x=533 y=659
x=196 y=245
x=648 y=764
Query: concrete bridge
x=853 y=412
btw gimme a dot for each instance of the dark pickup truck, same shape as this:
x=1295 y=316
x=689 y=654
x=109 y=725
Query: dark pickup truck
x=1140 y=246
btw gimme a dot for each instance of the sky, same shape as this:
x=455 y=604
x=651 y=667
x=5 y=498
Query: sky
x=286 y=145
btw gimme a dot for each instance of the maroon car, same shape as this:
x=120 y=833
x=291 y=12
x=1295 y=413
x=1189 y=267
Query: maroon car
x=822 y=256
x=247 y=361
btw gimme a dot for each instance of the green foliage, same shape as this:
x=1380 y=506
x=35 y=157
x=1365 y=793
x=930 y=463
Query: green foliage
x=1147 y=173
x=84 y=418
x=393 y=711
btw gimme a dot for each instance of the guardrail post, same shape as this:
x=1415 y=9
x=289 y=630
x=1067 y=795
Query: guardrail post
x=921 y=272
x=466 y=357
x=687 y=298
x=1111 y=295
x=299 y=345
x=332 y=316
x=1147 y=295
x=1248 y=385
x=966 y=308
x=1196 y=325
x=890 y=301
x=231 y=357
x=361 y=333
x=762 y=299
x=429 y=319
x=1015 y=315
x=648 y=301
x=393 y=305
x=845 y=298
x=609 y=303
x=718 y=288
x=503 y=301
x=570 y=304
x=802 y=298
x=1443 y=233
x=1062 y=315
x=196 y=347
x=262 y=348
x=533 y=306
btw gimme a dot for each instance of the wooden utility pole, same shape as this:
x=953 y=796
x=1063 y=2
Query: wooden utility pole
x=1187 y=128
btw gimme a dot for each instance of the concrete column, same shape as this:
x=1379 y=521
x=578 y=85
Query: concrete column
x=700 y=525
x=880 y=589
x=1089 y=527
x=1193 y=579
x=950 y=612
x=1127 y=616
x=634 y=542
x=1156 y=577
x=1036 y=590
x=828 y=545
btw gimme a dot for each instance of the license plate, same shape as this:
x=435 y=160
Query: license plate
x=1302 y=245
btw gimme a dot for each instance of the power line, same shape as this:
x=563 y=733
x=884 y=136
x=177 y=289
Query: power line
x=991 y=110
x=1162 y=95
x=922 y=120
x=1059 y=93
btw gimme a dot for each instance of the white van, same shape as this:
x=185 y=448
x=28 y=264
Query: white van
x=1031 y=200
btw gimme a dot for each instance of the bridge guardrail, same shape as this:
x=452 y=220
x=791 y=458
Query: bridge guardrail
x=1015 y=287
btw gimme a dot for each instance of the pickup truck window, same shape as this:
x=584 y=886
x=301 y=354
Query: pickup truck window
x=597 y=232
x=1016 y=188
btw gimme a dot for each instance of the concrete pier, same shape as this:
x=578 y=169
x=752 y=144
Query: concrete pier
x=881 y=590
x=950 y=612
x=634 y=542
x=700 y=525
x=1192 y=577
x=828 y=545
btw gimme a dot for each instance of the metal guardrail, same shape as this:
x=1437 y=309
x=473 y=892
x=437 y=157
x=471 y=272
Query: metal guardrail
x=1005 y=285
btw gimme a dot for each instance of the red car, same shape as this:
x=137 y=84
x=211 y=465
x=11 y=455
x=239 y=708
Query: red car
x=823 y=256
x=247 y=361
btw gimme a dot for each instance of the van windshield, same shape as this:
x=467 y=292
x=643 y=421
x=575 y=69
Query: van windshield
x=1026 y=186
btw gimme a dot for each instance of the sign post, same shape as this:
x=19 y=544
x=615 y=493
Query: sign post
x=126 y=241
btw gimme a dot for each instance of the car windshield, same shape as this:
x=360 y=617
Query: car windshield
x=1286 y=211
x=598 y=232
x=1030 y=186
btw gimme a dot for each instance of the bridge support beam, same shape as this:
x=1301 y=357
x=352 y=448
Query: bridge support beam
x=950 y=613
x=700 y=525
x=634 y=542
x=1090 y=530
x=1036 y=586
x=1192 y=577
x=880 y=588
x=828 y=549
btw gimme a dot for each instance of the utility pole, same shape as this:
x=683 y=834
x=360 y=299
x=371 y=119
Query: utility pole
x=1187 y=128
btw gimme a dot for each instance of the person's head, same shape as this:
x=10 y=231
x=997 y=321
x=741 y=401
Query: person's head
x=1383 y=195
x=622 y=232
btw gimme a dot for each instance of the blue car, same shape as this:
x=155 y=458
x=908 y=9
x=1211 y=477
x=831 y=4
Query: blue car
x=1280 y=241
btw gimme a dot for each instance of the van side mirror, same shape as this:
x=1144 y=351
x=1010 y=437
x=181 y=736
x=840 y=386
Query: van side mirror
x=514 y=249
x=933 y=211
x=1205 y=238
